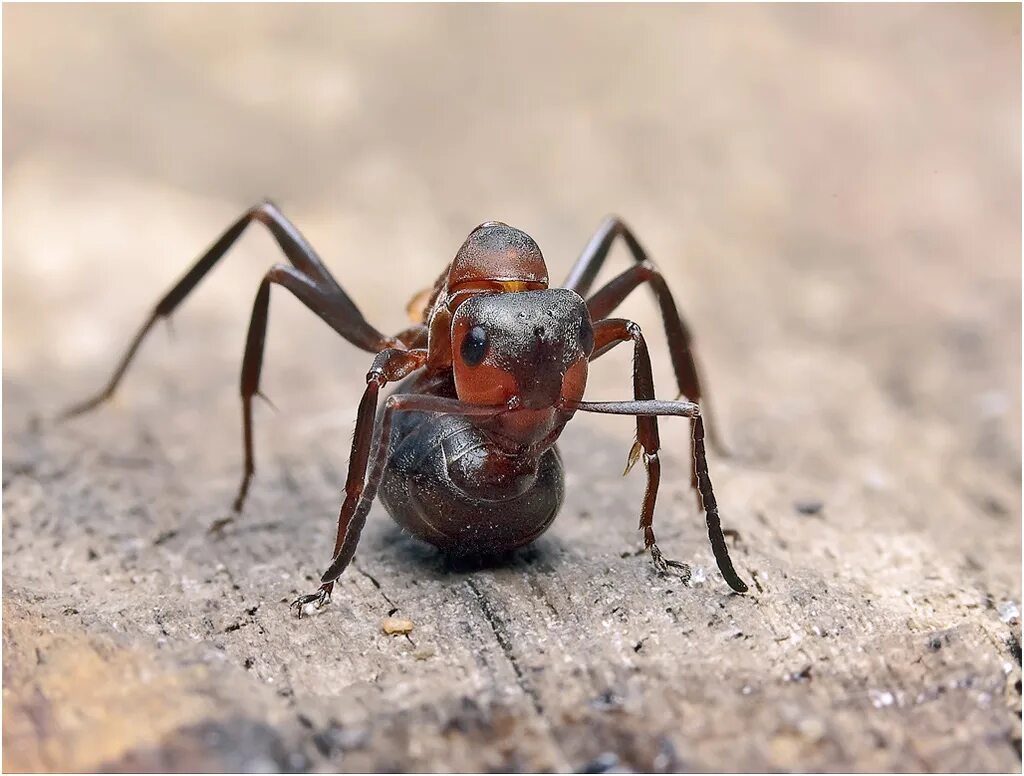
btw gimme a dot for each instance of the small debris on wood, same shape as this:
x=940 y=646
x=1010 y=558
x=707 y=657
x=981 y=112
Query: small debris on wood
x=393 y=626
x=606 y=701
x=803 y=675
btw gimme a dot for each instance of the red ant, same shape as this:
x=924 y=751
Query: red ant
x=463 y=454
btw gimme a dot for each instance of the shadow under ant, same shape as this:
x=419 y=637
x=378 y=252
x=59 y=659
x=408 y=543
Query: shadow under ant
x=403 y=550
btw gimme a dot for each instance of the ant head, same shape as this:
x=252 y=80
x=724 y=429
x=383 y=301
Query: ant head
x=497 y=257
x=531 y=347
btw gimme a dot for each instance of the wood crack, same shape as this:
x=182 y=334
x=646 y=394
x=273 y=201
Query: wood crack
x=501 y=636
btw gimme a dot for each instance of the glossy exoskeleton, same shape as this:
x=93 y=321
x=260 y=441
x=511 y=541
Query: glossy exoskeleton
x=463 y=454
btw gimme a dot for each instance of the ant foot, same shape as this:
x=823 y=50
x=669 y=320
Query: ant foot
x=217 y=526
x=666 y=566
x=320 y=598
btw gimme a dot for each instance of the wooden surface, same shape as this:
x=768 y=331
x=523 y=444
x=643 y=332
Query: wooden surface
x=834 y=196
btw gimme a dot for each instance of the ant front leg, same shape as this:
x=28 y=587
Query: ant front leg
x=646 y=409
x=608 y=333
x=604 y=301
x=389 y=366
x=360 y=494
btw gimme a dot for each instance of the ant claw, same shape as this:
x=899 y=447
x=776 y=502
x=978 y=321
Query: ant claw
x=666 y=566
x=320 y=598
x=217 y=526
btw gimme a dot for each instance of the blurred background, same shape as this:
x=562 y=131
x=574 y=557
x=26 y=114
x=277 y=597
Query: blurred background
x=833 y=192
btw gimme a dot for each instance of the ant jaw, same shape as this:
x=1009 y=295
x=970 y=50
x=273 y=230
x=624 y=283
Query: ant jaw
x=525 y=426
x=521 y=425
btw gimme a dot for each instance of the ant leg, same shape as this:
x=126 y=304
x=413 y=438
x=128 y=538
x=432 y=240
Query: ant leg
x=360 y=494
x=311 y=295
x=252 y=364
x=341 y=313
x=606 y=299
x=610 y=332
x=607 y=334
x=601 y=304
x=389 y=365
x=707 y=495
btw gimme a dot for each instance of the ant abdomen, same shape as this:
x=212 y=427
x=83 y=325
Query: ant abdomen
x=442 y=485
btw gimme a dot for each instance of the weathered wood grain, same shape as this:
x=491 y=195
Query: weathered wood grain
x=834 y=194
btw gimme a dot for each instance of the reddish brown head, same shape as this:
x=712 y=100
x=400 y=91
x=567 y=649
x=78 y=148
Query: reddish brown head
x=530 y=348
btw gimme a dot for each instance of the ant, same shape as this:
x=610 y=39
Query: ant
x=463 y=454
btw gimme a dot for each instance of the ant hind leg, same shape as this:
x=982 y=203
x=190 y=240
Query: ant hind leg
x=605 y=300
x=342 y=315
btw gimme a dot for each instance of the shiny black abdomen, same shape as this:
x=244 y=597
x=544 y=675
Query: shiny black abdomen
x=449 y=485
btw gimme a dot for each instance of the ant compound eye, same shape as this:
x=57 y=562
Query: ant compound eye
x=586 y=336
x=474 y=346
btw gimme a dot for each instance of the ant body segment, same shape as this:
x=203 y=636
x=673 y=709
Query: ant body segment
x=463 y=453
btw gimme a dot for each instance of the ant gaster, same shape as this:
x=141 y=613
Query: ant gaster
x=463 y=453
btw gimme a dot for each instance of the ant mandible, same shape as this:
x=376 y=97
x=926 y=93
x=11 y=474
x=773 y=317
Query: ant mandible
x=463 y=454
